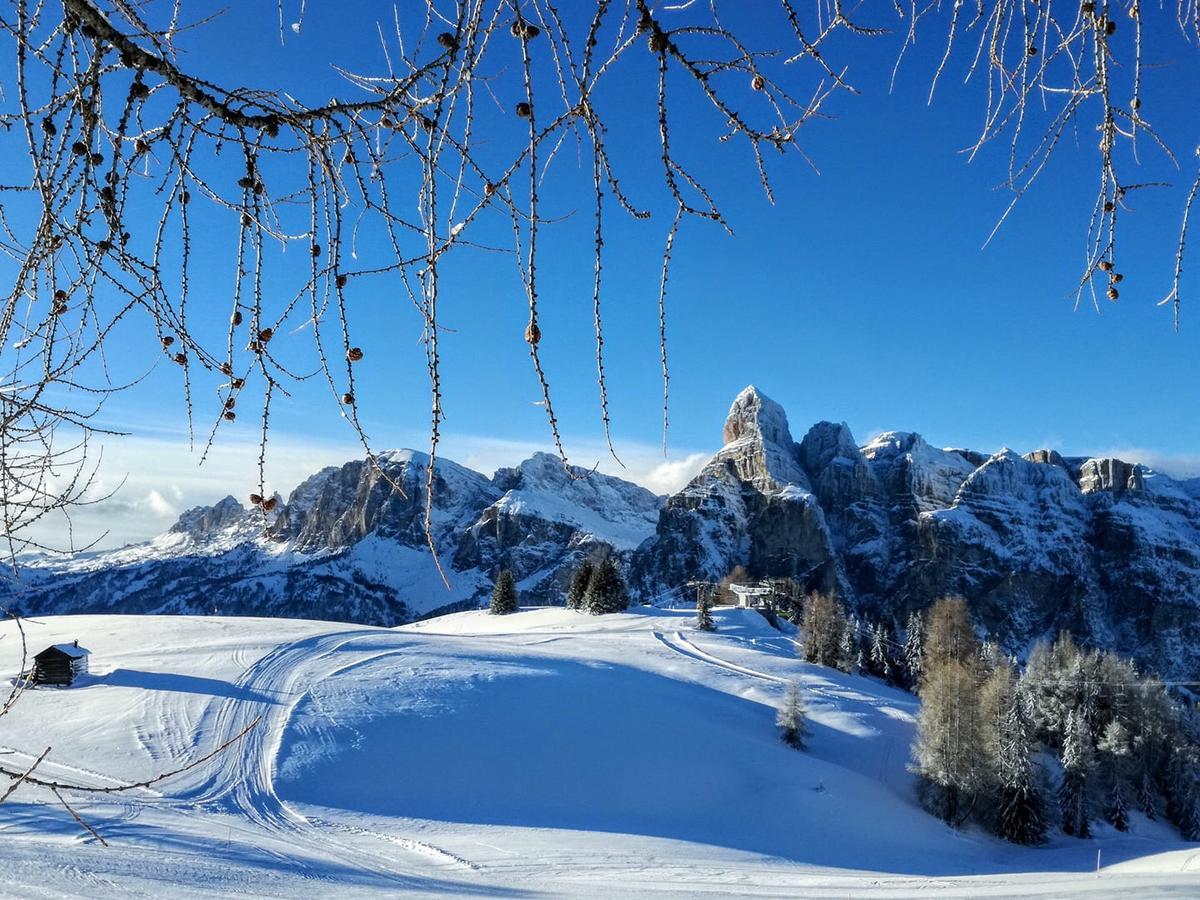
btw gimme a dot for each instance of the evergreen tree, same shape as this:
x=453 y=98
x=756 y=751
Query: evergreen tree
x=579 y=584
x=1115 y=812
x=1145 y=796
x=1114 y=748
x=996 y=697
x=847 y=656
x=880 y=659
x=504 y=594
x=788 y=595
x=792 y=718
x=990 y=658
x=1021 y=817
x=1039 y=683
x=1077 y=764
x=704 y=619
x=606 y=592
x=1183 y=789
x=913 y=650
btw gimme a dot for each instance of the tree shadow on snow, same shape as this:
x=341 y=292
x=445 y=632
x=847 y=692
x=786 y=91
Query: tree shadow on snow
x=234 y=861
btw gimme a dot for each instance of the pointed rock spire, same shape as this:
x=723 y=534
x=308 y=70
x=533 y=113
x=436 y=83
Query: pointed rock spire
x=758 y=443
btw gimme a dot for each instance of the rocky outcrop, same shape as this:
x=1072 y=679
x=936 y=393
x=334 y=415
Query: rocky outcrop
x=202 y=523
x=751 y=505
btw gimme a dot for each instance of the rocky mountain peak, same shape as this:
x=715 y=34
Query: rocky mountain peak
x=203 y=522
x=755 y=415
x=759 y=445
x=541 y=469
x=1046 y=457
x=825 y=442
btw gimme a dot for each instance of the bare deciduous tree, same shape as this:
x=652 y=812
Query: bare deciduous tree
x=129 y=152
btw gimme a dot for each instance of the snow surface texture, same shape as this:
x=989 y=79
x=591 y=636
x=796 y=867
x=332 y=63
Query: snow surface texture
x=542 y=754
x=1037 y=543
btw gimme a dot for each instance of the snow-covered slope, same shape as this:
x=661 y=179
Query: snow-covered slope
x=542 y=754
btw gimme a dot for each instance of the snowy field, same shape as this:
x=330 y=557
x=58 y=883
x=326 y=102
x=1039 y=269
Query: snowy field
x=543 y=754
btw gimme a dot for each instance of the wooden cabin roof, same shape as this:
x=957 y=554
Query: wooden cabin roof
x=71 y=651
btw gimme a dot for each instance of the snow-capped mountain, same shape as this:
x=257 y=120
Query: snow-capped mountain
x=1036 y=543
x=1105 y=548
x=349 y=543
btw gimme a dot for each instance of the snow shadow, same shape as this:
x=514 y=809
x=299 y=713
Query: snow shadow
x=546 y=743
x=232 y=861
x=183 y=684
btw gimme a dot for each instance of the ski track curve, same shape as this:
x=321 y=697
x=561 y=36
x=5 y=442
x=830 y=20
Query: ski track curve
x=241 y=780
x=684 y=647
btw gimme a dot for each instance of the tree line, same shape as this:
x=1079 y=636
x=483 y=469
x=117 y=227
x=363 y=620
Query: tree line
x=1073 y=737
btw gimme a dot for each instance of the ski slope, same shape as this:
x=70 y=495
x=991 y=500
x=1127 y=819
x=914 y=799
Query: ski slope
x=543 y=754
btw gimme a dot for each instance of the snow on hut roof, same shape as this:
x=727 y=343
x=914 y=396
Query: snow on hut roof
x=72 y=650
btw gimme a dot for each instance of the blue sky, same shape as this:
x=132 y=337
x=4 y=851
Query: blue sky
x=863 y=295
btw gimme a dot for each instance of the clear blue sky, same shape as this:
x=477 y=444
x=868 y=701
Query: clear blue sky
x=862 y=295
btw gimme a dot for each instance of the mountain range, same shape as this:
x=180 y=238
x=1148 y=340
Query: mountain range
x=1036 y=543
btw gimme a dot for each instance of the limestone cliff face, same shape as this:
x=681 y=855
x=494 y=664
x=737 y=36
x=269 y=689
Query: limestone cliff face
x=751 y=505
x=1103 y=547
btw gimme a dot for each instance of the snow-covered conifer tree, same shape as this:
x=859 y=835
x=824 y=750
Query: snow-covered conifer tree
x=1021 y=813
x=913 y=650
x=1183 y=789
x=880 y=660
x=704 y=619
x=990 y=658
x=847 y=659
x=504 y=594
x=1114 y=749
x=579 y=583
x=792 y=718
x=1078 y=760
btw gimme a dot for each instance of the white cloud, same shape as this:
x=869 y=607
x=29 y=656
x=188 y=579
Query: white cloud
x=159 y=505
x=1177 y=465
x=669 y=476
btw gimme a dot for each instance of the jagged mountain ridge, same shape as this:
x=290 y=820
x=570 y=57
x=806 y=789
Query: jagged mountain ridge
x=1036 y=543
x=349 y=544
x=1106 y=548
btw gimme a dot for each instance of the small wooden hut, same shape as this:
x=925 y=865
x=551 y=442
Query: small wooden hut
x=60 y=664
